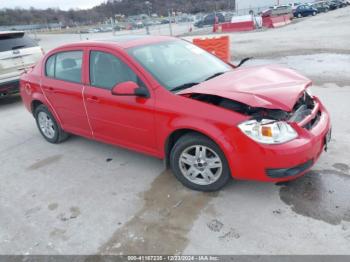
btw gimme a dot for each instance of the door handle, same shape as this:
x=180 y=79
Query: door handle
x=93 y=99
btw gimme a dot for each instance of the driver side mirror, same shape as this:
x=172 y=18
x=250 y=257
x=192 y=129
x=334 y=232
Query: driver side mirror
x=129 y=88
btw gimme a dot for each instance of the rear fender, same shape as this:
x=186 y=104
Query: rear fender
x=41 y=98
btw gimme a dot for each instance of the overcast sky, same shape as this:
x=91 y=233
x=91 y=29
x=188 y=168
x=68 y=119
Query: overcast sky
x=84 y=4
x=43 y=4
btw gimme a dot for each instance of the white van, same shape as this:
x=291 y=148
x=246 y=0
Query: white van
x=17 y=53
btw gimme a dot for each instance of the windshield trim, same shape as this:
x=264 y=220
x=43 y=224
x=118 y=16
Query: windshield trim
x=165 y=86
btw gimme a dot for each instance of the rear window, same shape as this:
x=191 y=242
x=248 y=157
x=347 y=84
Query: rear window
x=15 y=41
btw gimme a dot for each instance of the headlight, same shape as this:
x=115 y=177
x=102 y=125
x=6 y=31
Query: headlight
x=268 y=131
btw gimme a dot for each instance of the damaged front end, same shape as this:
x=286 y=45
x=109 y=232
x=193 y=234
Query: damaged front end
x=302 y=108
x=269 y=126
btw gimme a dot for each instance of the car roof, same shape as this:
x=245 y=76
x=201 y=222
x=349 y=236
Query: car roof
x=126 y=41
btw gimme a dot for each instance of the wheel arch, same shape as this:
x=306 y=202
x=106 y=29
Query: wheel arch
x=175 y=135
x=34 y=104
x=39 y=99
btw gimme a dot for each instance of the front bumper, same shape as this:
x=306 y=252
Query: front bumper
x=9 y=87
x=250 y=160
x=289 y=172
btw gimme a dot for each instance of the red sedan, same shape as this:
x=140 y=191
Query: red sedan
x=165 y=97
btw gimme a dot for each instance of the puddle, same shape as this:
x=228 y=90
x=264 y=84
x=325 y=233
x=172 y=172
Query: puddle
x=341 y=167
x=320 y=194
x=161 y=226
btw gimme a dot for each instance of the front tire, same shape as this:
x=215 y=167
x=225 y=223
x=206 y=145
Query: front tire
x=48 y=126
x=199 y=164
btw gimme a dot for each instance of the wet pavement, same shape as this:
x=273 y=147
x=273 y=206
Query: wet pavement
x=161 y=226
x=321 y=194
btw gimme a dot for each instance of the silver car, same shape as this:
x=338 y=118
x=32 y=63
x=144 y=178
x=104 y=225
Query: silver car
x=17 y=53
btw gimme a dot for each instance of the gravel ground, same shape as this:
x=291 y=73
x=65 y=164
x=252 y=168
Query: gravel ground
x=324 y=33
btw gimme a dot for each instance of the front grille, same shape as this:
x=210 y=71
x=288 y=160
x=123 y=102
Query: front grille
x=313 y=122
x=303 y=108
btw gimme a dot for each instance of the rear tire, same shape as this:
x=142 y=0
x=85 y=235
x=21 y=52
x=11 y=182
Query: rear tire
x=199 y=164
x=48 y=126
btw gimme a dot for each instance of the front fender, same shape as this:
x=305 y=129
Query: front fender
x=211 y=130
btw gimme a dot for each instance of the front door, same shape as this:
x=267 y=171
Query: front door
x=122 y=120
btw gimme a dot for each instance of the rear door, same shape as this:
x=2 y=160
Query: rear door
x=62 y=85
x=17 y=52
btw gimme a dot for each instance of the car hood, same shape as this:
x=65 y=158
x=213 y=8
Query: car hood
x=272 y=87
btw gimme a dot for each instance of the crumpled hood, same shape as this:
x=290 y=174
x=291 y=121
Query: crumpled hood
x=272 y=87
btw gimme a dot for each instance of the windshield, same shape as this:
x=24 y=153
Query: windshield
x=178 y=63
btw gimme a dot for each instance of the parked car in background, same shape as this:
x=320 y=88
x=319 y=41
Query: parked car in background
x=334 y=5
x=322 y=6
x=210 y=20
x=164 y=21
x=106 y=29
x=209 y=120
x=94 y=30
x=304 y=10
x=343 y=3
x=294 y=5
x=278 y=10
x=18 y=52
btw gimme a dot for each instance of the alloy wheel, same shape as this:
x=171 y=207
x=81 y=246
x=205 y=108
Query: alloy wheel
x=46 y=125
x=200 y=164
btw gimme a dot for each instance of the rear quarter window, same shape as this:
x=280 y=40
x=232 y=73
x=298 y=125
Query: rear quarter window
x=10 y=42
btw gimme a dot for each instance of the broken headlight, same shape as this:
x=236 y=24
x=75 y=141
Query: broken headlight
x=268 y=131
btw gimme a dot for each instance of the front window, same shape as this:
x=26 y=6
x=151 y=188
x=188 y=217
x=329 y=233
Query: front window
x=106 y=71
x=178 y=63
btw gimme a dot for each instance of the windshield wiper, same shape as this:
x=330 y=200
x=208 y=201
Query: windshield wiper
x=215 y=75
x=184 y=86
x=188 y=85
